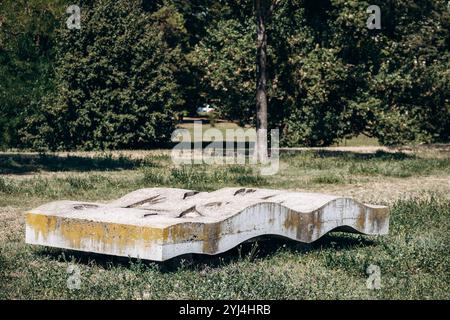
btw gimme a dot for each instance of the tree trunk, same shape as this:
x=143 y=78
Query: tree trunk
x=261 y=153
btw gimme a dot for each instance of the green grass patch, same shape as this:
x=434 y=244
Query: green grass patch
x=399 y=165
x=328 y=179
x=25 y=163
x=413 y=258
x=203 y=177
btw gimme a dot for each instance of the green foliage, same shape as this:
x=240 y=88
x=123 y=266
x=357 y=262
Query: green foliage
x=115 y=80
x=357 y=80
x=26 y=53
x=412 y=84
x=119 y=81
x=226 y=58
x=331 y=77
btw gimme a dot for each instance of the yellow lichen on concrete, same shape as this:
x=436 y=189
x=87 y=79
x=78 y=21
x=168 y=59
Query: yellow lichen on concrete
x=211 y=235
x=108 y=234
x=184 y=232
x=361 y=219
x=208 y=234
x=41 y=224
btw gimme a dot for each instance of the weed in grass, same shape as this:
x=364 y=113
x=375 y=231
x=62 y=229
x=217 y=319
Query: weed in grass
x=78 y=183
x=202 y=177
x=328 y=178
x=195 y=177
x=239 y=170
x=429 y=211
x=61 y=187
x=251 y=180
x=6 y=187
x=153 y=177
x=155 y=161
x=3 y=266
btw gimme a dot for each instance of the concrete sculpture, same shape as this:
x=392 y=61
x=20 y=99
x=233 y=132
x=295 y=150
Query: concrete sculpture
x=162 y=223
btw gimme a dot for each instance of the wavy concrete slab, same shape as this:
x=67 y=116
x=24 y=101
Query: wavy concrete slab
x=162 y=223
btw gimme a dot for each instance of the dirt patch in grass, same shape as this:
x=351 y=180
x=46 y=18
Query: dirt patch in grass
x=387 y=190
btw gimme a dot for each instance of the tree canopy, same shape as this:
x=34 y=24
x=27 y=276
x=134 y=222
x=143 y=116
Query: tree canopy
x=119 y=80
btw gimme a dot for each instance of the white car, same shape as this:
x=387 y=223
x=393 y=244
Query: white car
x=206 y=109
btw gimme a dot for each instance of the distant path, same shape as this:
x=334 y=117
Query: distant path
x=139 y=154
x=373 y=149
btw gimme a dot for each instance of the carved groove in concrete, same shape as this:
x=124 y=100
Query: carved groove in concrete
x=162 y=223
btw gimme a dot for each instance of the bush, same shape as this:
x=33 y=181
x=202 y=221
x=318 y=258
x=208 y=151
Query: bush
x=115 y=81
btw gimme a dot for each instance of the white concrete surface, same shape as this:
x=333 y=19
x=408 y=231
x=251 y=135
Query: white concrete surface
x=162 y=223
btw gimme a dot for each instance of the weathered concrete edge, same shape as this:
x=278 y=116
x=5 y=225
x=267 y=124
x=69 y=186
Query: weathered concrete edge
x=161 y=244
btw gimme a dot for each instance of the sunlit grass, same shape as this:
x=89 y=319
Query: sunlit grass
x=413 y=258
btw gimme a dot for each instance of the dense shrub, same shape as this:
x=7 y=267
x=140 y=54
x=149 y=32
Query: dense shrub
x=119 y=81
x=115 y=80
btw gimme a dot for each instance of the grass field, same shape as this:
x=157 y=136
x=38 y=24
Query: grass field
x=414 y=258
